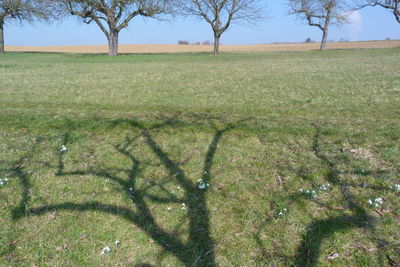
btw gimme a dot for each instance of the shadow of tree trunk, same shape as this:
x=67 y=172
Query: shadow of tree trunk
x=197 y=251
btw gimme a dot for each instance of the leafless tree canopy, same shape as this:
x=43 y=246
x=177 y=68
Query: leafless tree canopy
x=114 y=15
x=392 y=5
x=22 y=10
x=220 y=14
x=320 y=13
x=316 y=12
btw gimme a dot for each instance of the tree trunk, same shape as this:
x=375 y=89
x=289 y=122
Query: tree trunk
x=216 y=44
x=1 y=36
x=324 y=38
x=112 y=43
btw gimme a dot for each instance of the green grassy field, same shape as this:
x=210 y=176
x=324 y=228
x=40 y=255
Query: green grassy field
x=293 y=145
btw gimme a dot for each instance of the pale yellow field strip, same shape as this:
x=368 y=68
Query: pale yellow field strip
x=155 y=48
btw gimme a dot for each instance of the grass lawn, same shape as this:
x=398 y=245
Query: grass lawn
x=297 y=149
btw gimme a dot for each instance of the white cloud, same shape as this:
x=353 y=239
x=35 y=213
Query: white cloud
x=355 y=25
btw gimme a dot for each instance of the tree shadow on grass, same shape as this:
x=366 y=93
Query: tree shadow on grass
x=18 y=170
x=198 y=250
x=309 y=249
x=354 y=215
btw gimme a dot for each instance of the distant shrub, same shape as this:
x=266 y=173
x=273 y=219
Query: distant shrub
x=196 y=43
x=308 y=40
x=388 y=39
x=206 y=43
x=181 y=42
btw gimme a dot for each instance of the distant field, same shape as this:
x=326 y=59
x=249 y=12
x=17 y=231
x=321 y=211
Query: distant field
x=300 y=151
x=203 y=48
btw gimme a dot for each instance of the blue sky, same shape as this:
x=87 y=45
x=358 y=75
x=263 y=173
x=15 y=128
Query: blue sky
x=368 y=24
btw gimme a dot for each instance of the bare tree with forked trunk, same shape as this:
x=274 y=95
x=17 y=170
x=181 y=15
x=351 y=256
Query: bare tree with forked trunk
x=114 y=15
x=22 y=10
x=220 y=14
x=321 y=14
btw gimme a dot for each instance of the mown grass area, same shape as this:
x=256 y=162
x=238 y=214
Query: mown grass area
x=260 y=128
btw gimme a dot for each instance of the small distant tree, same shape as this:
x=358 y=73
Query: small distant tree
x=320 y=14
x=392 y=5
x=22 y=10
x=220 y=14
x=114 y=15
x=308 y=40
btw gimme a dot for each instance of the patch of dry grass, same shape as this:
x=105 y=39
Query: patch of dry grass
x=155 y=48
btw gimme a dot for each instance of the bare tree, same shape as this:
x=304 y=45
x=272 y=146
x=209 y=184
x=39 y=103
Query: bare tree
x=114 y=15
x=392 y=5
x=22 y=10
x=320 y=14
x=220 y=14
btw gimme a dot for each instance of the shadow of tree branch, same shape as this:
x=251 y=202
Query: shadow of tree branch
x=198 y=250
x=18 y=171
x=309 y=250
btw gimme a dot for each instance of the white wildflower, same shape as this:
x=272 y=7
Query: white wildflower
x=202 y=184
x=169 y=209
x=105 y=251
x=375 y=202
x=324 y=187
x=117 y=242
x=63 y=149
x=282 y=212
